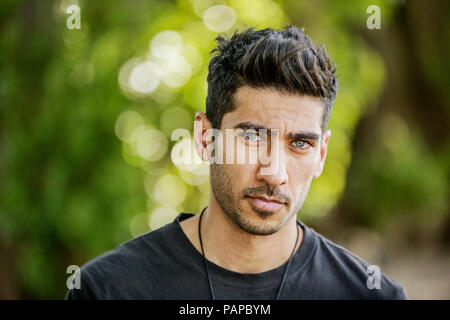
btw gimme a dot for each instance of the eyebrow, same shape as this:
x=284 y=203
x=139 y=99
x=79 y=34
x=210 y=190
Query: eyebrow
x=306 y=135
x=303 y=135
x=249 y=125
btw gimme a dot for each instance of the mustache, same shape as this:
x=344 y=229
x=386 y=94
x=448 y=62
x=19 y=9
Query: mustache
x=266 y=191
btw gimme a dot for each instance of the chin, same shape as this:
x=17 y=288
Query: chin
x=258 y=230
x=262 y=223
x=267 y=215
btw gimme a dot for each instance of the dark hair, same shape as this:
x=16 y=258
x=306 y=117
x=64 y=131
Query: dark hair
x=285 y=60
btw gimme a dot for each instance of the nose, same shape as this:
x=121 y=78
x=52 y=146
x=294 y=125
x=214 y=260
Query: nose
x=273 y=170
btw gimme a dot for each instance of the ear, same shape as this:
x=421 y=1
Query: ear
x=201 y=125
x=323 y=153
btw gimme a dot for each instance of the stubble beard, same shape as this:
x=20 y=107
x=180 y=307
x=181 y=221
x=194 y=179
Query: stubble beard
x=222 y=188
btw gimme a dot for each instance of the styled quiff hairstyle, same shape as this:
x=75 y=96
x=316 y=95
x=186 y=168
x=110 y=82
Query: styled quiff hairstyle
x=285 y=60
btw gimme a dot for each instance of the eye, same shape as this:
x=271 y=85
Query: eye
x=251 y=136
x=301 y=144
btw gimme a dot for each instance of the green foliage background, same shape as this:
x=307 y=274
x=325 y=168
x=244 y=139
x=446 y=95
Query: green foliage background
x=70 y=189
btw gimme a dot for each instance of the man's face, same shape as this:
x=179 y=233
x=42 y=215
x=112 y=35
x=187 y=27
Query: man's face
x=242 y=190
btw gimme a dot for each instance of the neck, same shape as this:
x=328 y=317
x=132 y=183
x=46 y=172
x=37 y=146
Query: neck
x=232 y=248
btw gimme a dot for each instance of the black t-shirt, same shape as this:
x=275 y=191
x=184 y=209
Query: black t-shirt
x=163 y=264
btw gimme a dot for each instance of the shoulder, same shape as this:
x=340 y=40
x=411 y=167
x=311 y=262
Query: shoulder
x=354 y=276
x=105 y=276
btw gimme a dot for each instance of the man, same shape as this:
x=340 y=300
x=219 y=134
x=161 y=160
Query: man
x=275 y=90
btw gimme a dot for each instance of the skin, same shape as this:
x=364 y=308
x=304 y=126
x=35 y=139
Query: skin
x=237 y=235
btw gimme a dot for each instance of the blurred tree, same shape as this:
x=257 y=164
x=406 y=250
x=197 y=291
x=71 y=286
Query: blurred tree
x=399 y=174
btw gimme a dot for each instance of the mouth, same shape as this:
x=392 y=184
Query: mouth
x=266 y=204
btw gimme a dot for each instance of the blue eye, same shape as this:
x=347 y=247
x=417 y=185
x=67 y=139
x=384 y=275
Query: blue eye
x=251 y=136
x=299 y=143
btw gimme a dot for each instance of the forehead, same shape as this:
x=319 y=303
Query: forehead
x=275 y=110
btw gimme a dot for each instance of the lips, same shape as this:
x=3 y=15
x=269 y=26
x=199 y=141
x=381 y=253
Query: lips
x=266 y=204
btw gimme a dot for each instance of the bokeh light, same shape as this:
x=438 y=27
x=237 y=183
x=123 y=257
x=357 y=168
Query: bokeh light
x=151 y=144
x=138 y=225
x=144 y=78
x=258 y=12
x=161 y=216
x=169 y=190
x=166 y=45
x=219 y=18
x=201 y=5
x=184 y=155
x=126 y=124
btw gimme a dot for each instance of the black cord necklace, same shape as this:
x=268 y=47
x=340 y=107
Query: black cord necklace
x=206 y=265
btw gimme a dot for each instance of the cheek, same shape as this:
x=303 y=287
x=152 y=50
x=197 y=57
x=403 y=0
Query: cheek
x=305 y=165
x=222 y=182
x=242 y=175
x=301 y=173
x=235 y=151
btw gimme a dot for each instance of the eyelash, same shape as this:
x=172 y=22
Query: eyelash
x=245 y=135
x=306 y=144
